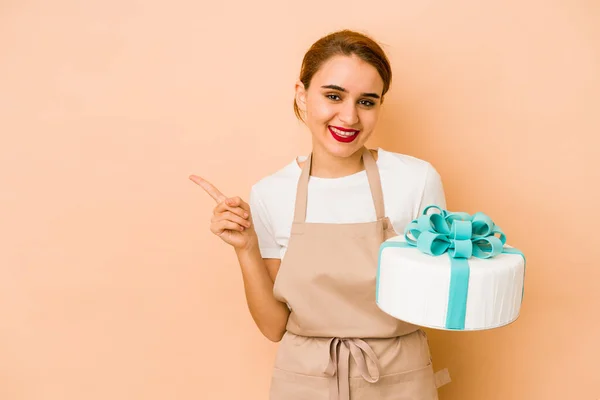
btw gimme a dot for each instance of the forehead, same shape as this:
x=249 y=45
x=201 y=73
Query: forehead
x=349 y=72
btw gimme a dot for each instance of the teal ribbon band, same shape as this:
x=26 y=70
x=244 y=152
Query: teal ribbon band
x=462 y=236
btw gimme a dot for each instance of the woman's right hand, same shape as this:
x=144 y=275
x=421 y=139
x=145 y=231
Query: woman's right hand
x=232 y=220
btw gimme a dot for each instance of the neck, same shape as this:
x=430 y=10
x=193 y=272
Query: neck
x=325 y=165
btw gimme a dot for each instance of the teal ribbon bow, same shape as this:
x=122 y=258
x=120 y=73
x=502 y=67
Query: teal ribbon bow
x=462 y=236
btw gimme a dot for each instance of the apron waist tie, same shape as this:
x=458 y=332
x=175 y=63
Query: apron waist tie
x=339 y=365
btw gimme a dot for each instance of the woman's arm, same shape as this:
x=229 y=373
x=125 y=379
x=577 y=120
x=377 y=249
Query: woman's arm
x=433 y=190
x=232 y=222
x=269 y=314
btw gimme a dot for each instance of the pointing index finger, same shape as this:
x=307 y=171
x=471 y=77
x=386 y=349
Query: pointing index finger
x=209 y=188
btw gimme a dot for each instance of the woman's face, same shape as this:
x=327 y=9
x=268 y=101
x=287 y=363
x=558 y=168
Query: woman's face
x=342 y=104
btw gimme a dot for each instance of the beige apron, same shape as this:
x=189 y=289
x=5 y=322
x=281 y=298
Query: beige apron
x=327 y=278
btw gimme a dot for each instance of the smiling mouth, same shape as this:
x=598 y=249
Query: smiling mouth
x=343 y=135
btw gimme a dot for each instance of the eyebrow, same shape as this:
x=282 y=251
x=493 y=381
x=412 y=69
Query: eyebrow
x=341 y=89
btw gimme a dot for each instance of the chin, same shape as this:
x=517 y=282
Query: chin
x=343 y=150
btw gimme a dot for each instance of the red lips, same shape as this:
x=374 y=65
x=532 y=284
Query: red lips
x=339 y=128
x=342 y=138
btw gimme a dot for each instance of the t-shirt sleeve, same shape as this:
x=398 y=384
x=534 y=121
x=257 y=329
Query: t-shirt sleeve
x=433 y=190
x=264 y=229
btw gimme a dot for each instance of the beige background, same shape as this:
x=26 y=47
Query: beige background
x=112 y=286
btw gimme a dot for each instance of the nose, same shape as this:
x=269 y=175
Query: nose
x=348 y=114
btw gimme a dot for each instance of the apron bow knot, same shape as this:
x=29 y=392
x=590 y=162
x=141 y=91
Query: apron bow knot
x=340 y=350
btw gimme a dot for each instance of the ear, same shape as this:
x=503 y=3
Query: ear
x=301 y=96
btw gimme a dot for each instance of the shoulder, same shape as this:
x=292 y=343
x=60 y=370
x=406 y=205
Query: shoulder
x=404 y=165
x=275 y=184
x=411 y=184
x=399 y=160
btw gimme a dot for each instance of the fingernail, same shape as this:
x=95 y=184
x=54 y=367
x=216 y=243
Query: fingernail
x=245 y=215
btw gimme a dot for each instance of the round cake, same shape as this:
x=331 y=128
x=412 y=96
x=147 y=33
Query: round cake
x=431 y=278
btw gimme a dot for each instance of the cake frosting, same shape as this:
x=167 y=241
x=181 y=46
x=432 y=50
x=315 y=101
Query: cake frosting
x=452 y=271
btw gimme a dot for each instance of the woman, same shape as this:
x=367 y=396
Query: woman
x=308 y=241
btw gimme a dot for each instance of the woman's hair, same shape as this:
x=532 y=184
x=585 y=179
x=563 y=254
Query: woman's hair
x=346 y=43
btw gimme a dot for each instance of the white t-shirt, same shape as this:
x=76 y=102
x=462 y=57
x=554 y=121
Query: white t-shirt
x=408 y=183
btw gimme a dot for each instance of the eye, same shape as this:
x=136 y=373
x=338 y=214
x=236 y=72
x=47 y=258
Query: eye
x=331 y=97
x=367 y=103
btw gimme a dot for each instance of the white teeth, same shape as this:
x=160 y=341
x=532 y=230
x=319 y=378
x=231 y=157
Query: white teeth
x=343 y=134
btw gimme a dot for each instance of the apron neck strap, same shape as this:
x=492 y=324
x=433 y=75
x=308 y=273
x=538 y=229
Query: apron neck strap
x=372 y=176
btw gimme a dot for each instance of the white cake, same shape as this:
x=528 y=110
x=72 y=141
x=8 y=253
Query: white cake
x=416 y=287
